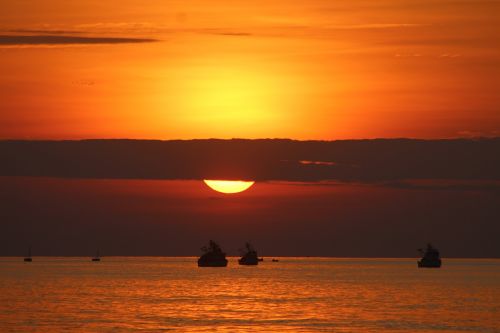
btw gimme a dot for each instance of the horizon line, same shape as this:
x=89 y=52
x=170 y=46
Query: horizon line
x=475 y=138
x=237 y=256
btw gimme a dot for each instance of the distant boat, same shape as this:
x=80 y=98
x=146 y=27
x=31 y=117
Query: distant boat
x=249 y=256
x=275 y=260
x=430 y=257
x=28 y=258
x=261 y=259
x=97 y=257
x=212 y=256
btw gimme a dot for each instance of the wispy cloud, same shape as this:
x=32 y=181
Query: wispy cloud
x=45 y=31
x=432 y=185
x=120 y=25
x=478 y=134
x=9 y=40
x=227 y=33
x=375 y=26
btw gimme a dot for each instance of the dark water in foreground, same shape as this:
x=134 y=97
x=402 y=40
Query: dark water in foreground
x=296 y=294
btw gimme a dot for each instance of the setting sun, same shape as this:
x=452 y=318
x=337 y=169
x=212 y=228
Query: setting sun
x=229 y=186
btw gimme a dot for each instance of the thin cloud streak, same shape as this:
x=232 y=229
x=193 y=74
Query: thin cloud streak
x=44 y=31
x=21 y=40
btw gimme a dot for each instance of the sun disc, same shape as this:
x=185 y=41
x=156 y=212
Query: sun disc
x=229 y=186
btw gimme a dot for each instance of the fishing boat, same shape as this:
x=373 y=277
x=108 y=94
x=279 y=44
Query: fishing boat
x=430 y=257
x=28 y=258
x=212 y=256
x=96 y=257
x=249 y=256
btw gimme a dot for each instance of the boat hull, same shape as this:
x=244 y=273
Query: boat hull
x=28 y=259
x=219 y=263
x=248 y=262
x=429 y=264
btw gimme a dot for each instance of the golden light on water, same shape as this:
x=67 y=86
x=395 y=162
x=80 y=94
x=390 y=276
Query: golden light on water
x=229 y=186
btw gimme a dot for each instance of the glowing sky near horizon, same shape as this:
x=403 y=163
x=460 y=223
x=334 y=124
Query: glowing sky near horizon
x=297 y=69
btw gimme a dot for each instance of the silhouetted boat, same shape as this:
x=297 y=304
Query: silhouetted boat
x=212 y=256
x=28 y=258
x=430 y=257
x=97 y=257
x=261 y=259
x=275 y=260
x=249 y=256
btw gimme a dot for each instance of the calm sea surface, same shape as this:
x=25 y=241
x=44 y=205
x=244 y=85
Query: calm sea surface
x=296 y=294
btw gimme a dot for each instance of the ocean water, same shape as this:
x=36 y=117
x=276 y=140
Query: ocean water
x=144 y=294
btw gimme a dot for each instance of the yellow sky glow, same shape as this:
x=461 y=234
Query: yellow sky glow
x=303 y=70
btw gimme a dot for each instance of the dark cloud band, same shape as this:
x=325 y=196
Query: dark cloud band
x=262 y=160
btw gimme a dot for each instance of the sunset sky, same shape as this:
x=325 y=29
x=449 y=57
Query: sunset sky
x=254 y=69
x=250 y=166
x=310 y=72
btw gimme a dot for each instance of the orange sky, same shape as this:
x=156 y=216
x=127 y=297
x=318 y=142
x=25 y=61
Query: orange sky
x=313 y=69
